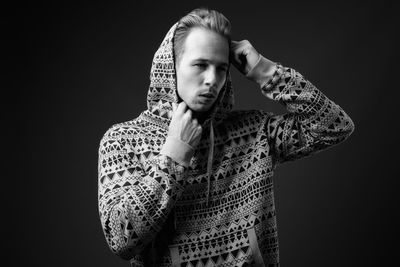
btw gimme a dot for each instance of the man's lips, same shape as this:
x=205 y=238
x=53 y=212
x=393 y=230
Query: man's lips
x=206 y=98
x=208 y=95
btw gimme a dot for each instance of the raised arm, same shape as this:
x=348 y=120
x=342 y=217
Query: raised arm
x=313 y=121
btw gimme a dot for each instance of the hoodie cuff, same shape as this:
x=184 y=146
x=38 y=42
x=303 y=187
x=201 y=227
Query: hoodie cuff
x=177 y=150
x=262 y=72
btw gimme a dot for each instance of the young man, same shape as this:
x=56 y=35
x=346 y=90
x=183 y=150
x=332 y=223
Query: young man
x=189 y=182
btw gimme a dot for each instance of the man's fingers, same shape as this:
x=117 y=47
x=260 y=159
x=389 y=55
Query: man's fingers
x=234 y=44
x=182 y=105
x=181 y=108
x=189 y=113
x=239 y=51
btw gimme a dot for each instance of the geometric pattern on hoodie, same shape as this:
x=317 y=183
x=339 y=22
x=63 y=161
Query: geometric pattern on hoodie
x=154 y=211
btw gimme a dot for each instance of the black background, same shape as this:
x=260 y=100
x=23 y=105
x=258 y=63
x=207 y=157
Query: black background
x=76 y=68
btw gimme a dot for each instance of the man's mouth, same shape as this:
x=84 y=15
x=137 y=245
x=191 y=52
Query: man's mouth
x=208 y=95
x=206 y=98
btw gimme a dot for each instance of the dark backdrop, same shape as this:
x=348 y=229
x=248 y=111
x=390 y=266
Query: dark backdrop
x=76 y=68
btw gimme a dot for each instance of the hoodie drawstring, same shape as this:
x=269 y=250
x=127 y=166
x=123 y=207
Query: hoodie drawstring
x=210 y=161
x=175 y=219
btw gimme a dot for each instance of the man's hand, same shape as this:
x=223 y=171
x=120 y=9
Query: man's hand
x=244 y=56
x=183 y=126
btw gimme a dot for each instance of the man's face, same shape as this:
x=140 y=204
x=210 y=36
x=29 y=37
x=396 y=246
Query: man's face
x=202 y=67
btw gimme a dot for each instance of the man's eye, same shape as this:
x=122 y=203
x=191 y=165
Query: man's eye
x=200 y=65
x=222 y=69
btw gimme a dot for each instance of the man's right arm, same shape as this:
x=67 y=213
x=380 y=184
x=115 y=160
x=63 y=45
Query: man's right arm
x=134 y=202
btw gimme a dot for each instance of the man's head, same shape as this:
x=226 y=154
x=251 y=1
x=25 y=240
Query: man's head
x=201 y=46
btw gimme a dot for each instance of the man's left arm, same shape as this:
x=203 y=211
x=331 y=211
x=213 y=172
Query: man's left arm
x=313 y=122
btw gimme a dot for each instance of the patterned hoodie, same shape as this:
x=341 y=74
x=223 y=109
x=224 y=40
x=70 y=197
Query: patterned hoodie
x=219 y=209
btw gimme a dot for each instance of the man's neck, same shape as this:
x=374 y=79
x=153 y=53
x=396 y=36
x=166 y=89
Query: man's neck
x=201 y=116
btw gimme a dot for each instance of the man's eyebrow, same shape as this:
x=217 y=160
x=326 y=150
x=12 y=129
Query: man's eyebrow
x=225 y=64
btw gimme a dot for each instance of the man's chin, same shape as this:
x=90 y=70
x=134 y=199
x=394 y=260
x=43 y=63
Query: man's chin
x=203 y=109
x=200 y=108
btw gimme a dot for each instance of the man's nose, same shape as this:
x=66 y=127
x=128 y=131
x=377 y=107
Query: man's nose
x=211 y=77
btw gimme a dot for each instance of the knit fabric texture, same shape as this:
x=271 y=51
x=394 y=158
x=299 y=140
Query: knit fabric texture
x=157 y=212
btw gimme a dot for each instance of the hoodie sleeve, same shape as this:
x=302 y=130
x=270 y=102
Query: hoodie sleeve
x=313 y=122
x=134 y=202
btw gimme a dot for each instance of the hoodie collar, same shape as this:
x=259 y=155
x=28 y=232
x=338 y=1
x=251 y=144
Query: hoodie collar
x=162 y=90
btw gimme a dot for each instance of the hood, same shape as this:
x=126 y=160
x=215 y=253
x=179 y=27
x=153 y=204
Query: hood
x=162 y=90
x=162 y=93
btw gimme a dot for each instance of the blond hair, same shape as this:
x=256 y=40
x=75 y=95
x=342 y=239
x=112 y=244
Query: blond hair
x=200 y=18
